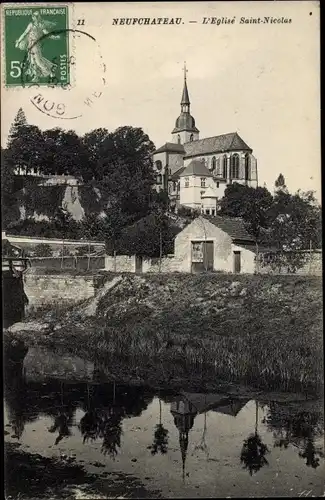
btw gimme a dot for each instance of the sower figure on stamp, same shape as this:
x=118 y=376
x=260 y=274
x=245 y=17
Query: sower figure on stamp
x=30 y=40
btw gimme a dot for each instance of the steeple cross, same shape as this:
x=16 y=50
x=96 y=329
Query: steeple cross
x=185 y=70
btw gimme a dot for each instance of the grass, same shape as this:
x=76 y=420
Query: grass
x=258 y=330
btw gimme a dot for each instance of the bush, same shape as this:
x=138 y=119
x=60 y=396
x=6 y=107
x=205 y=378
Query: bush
x=43 y=250
x=65 y=252
x=84 y=250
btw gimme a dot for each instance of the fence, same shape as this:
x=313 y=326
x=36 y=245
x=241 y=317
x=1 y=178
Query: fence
x=83 y=263
x=16 y=239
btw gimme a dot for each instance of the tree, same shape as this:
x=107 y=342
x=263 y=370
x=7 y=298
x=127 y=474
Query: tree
x=94 y=143
x=10 y=211
x=64 y=153
x=26 y=149
x=114 y=222
x=160 y=442
x=63 y=223
x=295 y=221
x=280 y=183
x=43 y=250
x=151 y=236
x=252 y=204
x=299 y=428
x=92 y=227
x=125 y=169
x=254 y=450
x=19 y=121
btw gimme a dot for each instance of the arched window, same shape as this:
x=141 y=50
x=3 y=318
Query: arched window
x=191 y=137
x=224 y=167
x=159 y=179
x=213 y=164
x=247 y=167
x=234 y=166
x=179 y=139
x=158 y=165
x=219 y=174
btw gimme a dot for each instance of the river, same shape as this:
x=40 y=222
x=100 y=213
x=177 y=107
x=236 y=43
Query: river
x=71 y=434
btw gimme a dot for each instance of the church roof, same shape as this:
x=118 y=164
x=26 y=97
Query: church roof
x=216 y=144
x=185 y=121
x=196 y=167
x=234 y=226
x=185 y=96
x=232 y=408
x=209 y=193
x=171 y=147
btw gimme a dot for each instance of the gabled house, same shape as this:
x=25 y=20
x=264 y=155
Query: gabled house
x=215 y=244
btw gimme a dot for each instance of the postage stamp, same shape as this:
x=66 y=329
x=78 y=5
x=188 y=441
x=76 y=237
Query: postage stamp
x=36 y=45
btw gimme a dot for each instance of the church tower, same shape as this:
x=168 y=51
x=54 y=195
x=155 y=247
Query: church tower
x=184 y=414
x=185 y=129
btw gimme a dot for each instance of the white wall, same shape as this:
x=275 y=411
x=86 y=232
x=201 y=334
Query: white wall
x=191 y=196
x=209 y=204
x=15 y=239
x=200 y=230
x=120 y=263
x=184 y=136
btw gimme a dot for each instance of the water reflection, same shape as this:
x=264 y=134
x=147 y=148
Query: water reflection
x=160 y=442
x=105 y=408
x=299 y=428
x=254 y=450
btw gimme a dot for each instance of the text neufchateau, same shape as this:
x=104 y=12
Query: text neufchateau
x=133 y=21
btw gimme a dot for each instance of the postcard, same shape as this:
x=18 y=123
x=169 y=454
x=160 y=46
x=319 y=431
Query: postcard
x=162 y=249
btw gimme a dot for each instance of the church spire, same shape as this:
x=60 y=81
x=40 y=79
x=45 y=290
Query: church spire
x=185 y=129
x=185 y=102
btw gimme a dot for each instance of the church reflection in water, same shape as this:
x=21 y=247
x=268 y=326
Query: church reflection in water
x=29 y=397
x=187 y=406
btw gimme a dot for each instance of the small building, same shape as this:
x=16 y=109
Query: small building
x=215 y=244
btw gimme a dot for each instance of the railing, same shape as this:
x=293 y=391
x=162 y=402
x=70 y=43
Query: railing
x=15 y=264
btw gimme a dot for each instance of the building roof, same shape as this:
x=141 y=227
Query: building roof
x=185 y=96
x=196 y=167
x=171 y=147
x=232 y=408
x=216 y=144
x=176 y=175
x=209 y=193
x=185 y=121
x=234 y=226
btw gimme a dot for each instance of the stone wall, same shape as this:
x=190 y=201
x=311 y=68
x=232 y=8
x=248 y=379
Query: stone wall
x=46 y=289
x=120 y=263
x=168 y=264
x=311 y=264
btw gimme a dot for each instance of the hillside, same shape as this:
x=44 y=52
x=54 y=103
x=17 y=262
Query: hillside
x=41 y=198
x=264 y=330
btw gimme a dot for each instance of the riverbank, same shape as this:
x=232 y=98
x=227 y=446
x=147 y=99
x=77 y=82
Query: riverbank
x=265 y=331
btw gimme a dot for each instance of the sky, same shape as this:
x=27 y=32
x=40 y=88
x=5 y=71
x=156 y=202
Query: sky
x=261 y=80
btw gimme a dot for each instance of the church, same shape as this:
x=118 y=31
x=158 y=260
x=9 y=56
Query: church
x=195 y=172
